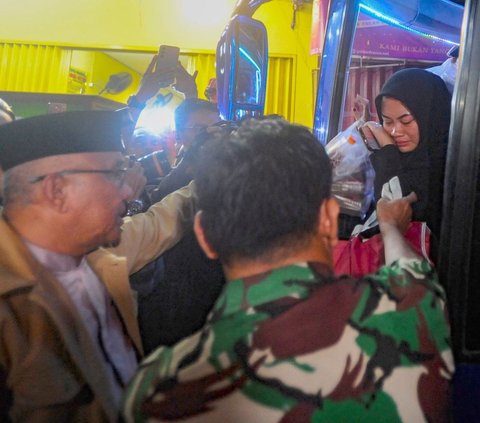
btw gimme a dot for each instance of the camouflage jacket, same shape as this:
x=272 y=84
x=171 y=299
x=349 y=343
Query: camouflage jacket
x=297 y=344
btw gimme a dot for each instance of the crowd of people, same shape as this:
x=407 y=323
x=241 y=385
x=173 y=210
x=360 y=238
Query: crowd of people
x=217 y=299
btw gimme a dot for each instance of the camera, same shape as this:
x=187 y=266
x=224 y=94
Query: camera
x=155 y=165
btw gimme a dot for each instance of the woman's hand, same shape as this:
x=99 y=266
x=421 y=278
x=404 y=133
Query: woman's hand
x=376 y=130
x=361 y=108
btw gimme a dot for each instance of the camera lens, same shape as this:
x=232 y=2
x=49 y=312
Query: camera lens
x=155 y=165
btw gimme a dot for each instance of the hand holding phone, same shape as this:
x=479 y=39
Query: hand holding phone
x=160 y=73
x=368 y=138
x=167 y=61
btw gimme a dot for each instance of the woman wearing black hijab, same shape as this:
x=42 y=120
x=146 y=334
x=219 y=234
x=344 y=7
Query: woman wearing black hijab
x=414 y=112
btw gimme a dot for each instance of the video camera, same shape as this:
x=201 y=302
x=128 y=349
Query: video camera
x=155 y=165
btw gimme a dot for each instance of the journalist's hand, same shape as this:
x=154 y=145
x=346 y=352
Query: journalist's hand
x=185 y=82
x=153 y=80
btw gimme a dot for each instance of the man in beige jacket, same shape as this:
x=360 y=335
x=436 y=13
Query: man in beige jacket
x=69 y=340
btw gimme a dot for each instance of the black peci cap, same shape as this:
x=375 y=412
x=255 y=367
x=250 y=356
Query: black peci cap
x=42 y=136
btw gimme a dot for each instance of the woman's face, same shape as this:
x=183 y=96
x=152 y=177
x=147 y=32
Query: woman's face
x=400 y=124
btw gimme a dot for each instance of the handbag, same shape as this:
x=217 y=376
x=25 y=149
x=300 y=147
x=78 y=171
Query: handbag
x=359 y=256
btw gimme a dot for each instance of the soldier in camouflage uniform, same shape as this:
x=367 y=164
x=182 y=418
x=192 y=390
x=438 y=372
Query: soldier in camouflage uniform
x=287 y=341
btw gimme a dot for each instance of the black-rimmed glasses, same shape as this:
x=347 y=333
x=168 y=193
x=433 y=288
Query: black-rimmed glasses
x=117 y=176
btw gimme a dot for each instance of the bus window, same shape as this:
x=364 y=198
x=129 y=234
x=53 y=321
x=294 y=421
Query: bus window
x=363 y=46
x=335 y=59
x=379 y=50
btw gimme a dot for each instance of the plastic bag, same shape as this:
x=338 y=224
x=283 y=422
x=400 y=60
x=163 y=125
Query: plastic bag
x=447 y=71
x=360 y=255
x=353 y=174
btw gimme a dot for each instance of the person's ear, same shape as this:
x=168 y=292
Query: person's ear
x=201 y=238
x=328 y=220
x=54 y=193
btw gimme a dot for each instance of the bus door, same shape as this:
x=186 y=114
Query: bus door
x=442 y=21
x=366 y=41
x=458 y=264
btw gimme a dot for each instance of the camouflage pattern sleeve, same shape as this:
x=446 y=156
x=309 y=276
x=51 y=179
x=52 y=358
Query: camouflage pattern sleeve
x=298 y=344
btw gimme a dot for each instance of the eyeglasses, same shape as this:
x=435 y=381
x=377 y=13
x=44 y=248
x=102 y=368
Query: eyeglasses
x=117 y=176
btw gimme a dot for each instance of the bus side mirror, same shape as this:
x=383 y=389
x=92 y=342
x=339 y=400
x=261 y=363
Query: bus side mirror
x=241 y=62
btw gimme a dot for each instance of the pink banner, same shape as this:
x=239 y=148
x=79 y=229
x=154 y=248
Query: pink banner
x=319 y=22
x=376 y=39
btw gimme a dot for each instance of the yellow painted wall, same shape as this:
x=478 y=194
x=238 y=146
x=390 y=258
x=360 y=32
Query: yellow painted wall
x=141 y=25
x=192 y=24
x=48 y=69
x=283 y=40
x=25 y=67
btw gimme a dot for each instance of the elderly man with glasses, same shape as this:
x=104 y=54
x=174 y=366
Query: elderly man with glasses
x=69 y=340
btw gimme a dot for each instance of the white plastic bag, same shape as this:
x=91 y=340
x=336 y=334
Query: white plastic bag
x=353 y=174
x=447 y=71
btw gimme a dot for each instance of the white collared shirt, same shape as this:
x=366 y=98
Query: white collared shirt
x=98 y=312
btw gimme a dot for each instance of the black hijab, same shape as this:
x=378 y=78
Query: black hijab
x=426 y=96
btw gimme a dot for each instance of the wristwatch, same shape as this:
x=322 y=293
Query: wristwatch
x=133 y=102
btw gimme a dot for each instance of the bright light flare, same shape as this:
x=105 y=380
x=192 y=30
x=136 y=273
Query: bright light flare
x=197 y=13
